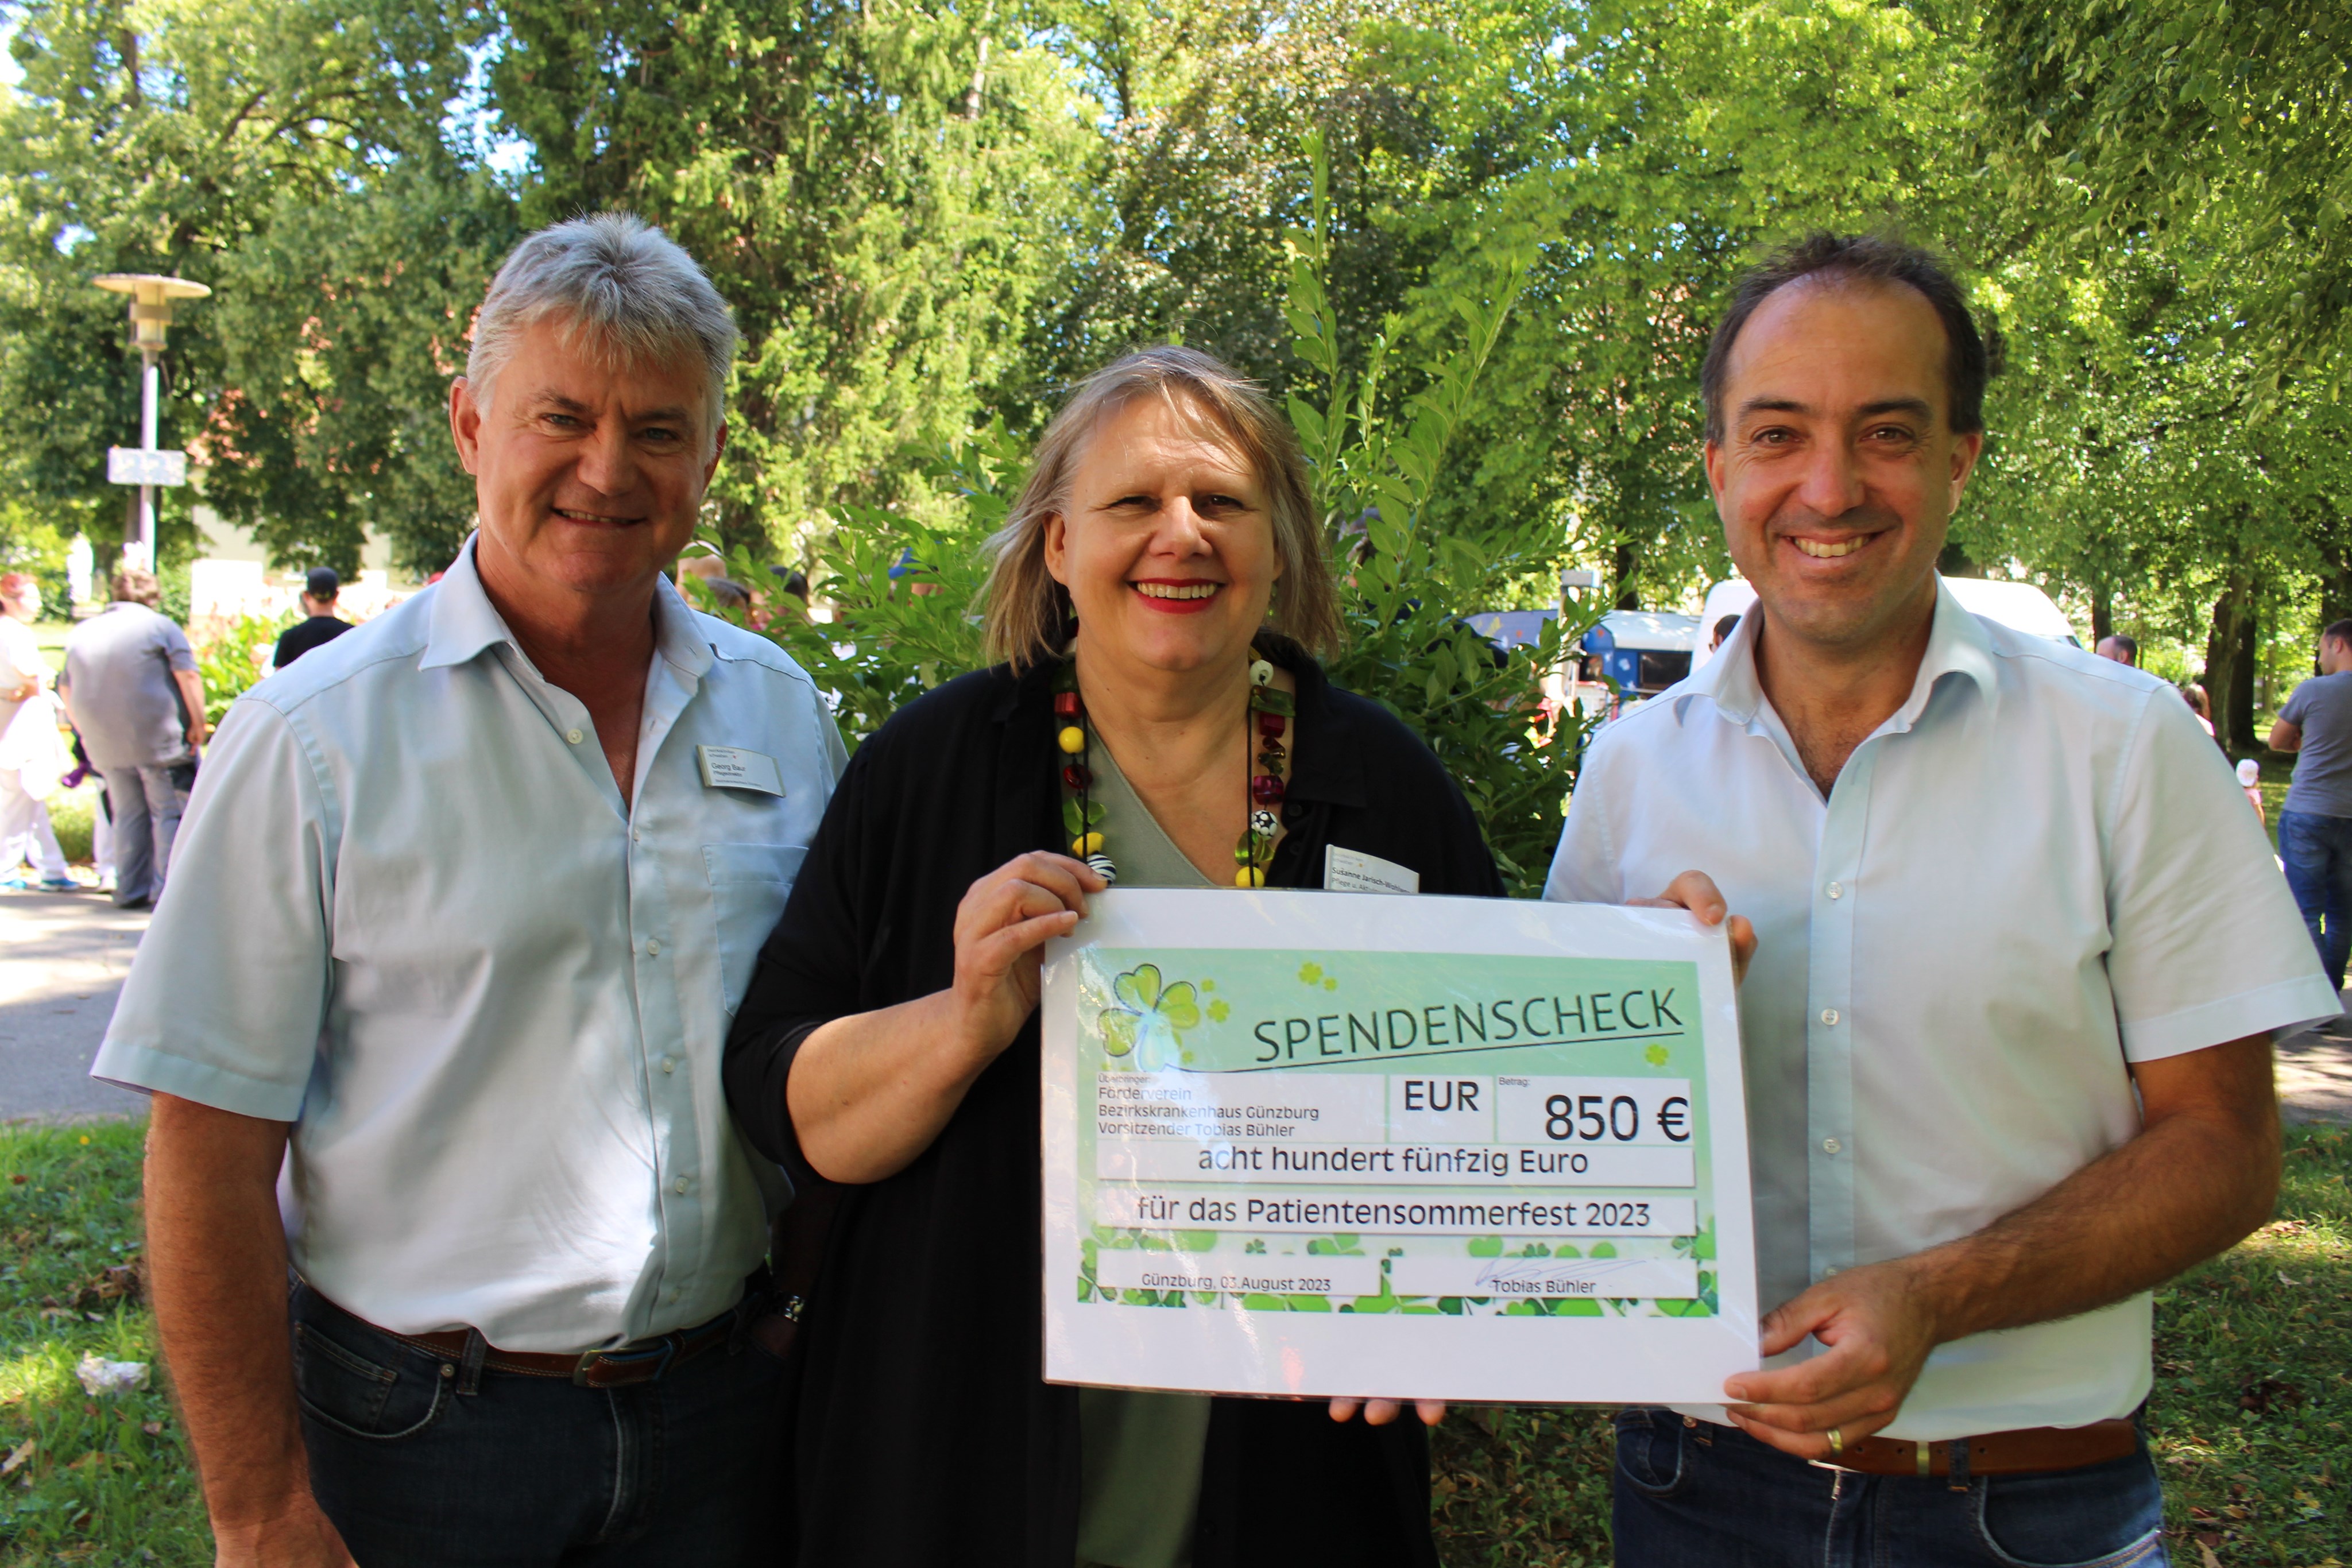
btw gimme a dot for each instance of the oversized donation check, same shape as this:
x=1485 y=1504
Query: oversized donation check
x=1334 y=1143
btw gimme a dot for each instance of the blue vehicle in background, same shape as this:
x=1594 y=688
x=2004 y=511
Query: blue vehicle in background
x=1626 y=658
x=1630 y=656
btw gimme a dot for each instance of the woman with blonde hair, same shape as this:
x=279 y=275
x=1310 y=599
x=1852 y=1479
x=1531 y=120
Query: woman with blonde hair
x=1158 y=718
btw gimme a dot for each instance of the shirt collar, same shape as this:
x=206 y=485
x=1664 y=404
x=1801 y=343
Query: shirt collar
x=1956 y=645
x=465 y=622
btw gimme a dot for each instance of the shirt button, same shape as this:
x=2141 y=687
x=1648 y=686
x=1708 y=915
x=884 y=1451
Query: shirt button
x=1836 y=890
x=653 y=950
x=669 y=1064
x=1830 y=1271
x=573 y=736
x=1829 y=1147
x=635 y=836
x=671 y=1294
x=1829 y=1015
x=680 y=1185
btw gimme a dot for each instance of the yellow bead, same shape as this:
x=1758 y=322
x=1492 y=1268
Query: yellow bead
x=1249 y=876
x=1087 y=844
x=1074 y=739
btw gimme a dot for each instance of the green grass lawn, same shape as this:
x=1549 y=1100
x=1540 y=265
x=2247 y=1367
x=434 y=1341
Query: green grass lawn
x=101 y=1480
x=2253 y=1391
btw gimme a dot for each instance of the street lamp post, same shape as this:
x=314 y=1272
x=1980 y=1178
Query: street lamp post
x=151 y=295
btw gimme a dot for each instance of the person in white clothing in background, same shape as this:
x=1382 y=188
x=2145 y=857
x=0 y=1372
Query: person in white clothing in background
x=32 y=762
x=2008 y=1065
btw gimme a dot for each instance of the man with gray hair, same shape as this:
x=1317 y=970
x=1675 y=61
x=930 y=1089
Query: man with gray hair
x=464 y=903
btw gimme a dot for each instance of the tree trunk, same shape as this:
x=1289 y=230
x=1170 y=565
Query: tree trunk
x=2225 y=647
x=2103 y=614
x=2242 y=681
x=979 y=68
x=1628 y=562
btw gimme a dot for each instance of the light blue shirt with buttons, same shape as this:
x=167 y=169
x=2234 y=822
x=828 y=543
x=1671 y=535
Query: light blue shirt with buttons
x=411 y=914
x=2036 y=873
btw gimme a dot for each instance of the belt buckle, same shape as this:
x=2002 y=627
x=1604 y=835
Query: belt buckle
x=666 y=1350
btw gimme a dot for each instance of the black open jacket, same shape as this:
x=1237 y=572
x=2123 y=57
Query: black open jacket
x=923 y=1432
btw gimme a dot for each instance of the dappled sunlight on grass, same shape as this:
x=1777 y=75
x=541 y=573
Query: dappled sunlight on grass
x=2254 y=1379
x=90 y=1479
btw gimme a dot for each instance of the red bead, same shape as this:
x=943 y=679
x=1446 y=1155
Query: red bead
x=1065 y=704
x=1270 y=723
x=1266 y=790
x=1076 y=776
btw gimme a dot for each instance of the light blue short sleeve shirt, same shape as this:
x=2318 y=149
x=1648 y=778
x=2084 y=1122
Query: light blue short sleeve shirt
x=2037 y=873
x=410 y=912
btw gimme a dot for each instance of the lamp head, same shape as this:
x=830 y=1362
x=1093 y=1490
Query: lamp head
x=150 y=303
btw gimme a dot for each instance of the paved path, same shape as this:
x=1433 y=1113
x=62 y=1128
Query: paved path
x=63 y=956
x=2314 y=1077
x=62 y=959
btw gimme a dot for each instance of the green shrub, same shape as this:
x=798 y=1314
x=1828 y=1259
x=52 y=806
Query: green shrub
x=231 y=660
x=73 y=813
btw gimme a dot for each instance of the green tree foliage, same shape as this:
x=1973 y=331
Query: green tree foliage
x=2179 y=175
x=881 y=189
x=1377 y=456
x=1650 y=152
x=1203 y=102
x=178 y=136
x=349 y=431
x=933 y=215
x=1376 y=459
x=2221 y=131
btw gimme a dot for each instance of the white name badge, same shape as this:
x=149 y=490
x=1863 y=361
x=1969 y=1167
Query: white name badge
x=732 y=767
x=1352 y=870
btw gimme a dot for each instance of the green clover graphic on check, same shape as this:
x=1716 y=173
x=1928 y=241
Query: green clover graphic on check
x=1150 y=1020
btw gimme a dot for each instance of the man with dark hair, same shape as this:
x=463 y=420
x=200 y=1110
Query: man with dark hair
x=1724 y=627
x=1859 y=259
x=131 y=689
x=2002 y=1081
x=2314 y=827
x=322 y=624
x=2123 y=650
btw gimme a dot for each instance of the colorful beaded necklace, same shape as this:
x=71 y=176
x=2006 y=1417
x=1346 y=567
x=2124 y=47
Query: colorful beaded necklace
x=1269 y=714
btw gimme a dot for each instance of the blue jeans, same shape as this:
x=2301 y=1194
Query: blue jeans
x=524 y=1471
x=1691 y=1494
x=146 y=803
x=2317 y=853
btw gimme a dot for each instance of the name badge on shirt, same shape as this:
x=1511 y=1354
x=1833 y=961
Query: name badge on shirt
x=732 y=767
x=1352 y=870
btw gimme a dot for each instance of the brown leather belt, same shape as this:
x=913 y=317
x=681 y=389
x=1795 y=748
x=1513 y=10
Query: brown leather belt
x=640 y=1361
x=1994 y=1453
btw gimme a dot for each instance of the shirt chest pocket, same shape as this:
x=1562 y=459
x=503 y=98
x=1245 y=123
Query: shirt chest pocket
x=749 y=884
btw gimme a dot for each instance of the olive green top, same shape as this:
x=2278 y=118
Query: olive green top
x=1140 y=1464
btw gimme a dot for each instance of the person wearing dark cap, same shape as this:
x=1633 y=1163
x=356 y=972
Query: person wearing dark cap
x=322 y=625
